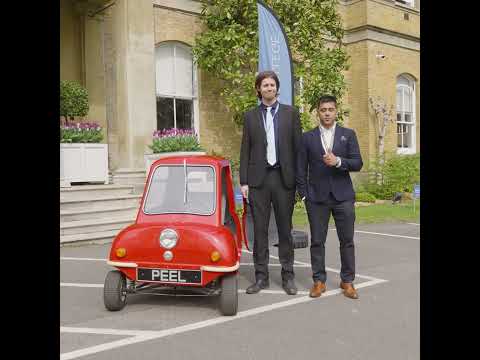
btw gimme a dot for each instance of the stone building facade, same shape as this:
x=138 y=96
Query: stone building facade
x=134 y=58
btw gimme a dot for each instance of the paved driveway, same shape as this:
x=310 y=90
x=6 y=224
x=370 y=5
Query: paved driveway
x=382 y=324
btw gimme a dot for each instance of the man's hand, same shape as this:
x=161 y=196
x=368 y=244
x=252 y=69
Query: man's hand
x=244 y=189
x=330 y=159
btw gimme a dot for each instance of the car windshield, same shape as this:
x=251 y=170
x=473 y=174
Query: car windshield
x=170 y=193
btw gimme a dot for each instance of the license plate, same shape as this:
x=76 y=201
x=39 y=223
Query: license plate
x=170 y=275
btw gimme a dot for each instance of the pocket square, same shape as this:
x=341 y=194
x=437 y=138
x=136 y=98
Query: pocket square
x=343 y=138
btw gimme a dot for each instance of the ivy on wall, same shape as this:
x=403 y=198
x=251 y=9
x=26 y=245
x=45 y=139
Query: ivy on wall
x=228 y=50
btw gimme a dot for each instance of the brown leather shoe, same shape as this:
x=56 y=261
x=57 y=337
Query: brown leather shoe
x=348 y=290
x=317 y=289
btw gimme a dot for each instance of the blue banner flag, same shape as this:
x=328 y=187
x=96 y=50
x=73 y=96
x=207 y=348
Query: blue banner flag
x=274 y=51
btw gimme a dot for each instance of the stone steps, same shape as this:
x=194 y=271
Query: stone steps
x=101 y=202
x=85 y=214
x=102 y=237
x=80 y=192
x=95 y=225
x=96 y=213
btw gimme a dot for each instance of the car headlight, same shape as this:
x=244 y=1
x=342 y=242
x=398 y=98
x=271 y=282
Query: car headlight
x=168 y=238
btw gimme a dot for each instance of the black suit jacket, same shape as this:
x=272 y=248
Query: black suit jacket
x=315 y=180
x=253 y=152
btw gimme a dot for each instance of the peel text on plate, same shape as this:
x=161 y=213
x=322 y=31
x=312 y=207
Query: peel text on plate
x=167 y=275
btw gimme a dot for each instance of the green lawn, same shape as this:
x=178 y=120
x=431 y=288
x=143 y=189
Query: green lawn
x=377 y=213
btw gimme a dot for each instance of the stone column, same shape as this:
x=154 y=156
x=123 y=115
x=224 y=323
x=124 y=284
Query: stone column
x=95 y=70
x=134 y=77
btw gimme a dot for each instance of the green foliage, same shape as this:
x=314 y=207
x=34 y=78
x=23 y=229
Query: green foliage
x=398 y=174
x=73 y=99
x=365 y=197
x=228 y=50
x=81 y=133
x=234 y=163
x=175 y=144
x=170 y=140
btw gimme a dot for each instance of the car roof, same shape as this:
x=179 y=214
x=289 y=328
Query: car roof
x=192 y=160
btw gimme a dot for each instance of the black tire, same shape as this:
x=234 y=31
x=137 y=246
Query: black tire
x=229 y=295
x=115 y=291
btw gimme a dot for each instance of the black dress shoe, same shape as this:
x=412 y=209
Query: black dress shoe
x=289 y=287
x=257 y=286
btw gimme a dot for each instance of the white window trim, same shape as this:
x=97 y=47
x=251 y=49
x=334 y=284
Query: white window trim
x=195 y=106
x=412 y=149
x=409 y=3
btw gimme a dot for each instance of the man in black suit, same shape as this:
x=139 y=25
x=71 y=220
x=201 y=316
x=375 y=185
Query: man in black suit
x=328 y=154
x=271 y=137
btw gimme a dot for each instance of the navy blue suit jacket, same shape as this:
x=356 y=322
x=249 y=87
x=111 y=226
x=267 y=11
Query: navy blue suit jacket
x=314 y=179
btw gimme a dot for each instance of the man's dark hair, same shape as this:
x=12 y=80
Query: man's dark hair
x=265 y=75
x=326 y=99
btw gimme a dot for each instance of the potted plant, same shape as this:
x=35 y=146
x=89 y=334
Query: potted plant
x=169 y=142
x=83 y=158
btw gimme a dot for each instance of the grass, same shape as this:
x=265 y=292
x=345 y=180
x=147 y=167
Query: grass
x=376 y=213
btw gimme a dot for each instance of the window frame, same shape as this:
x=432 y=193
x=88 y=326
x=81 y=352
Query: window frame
x=410 y=3
x=413 y=124
x=194 y=97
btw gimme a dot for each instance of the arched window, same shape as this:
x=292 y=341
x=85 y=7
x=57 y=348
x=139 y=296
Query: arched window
x=176 y=88
x=406 y=115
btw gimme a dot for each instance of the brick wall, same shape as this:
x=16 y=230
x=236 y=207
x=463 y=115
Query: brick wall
x=217 y=129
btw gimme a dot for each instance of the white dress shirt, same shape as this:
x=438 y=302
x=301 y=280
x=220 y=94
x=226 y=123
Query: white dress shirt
x=328 y=136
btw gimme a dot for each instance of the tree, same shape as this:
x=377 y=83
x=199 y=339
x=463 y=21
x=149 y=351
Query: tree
x=73 y=100
x=383 y=116
x=228 y=50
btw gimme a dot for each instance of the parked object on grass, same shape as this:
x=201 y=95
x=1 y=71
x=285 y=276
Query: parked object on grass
x=397 y=197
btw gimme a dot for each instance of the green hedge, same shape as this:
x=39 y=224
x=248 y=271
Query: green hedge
x=73 y=99
x=398 y=174
x=365 y=197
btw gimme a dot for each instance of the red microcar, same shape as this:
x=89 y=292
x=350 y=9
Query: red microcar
x=187 y=237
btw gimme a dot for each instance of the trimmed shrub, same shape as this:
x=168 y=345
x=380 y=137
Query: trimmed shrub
x=73 y=99
x=365 y=197
x=398 y=174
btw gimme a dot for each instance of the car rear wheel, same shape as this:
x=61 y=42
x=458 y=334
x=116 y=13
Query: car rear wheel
x=115 y=291
x=229 y=295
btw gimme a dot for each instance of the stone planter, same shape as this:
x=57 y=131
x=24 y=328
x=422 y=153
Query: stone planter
x=83 y=162
x=151 y=158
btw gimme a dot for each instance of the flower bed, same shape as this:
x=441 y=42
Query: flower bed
x=81 y=133
x=170 y=140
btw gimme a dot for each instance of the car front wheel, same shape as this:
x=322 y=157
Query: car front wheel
x=115 y=291
x=229 y=295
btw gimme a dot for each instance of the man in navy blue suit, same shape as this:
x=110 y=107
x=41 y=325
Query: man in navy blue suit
x=327 y=155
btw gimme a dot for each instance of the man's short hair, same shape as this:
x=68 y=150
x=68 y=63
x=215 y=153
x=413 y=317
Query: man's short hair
x=326 y=99
x=264 y=75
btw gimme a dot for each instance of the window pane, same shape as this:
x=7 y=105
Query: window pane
x=167 y=190
x=399 y=99
x=408 y=117
x=164 y=113
x=408 y=136
x=407 y=100
x=164 y=74
x=402 y=80
x=399 y=135
x=184 y=113
x=183 y=71
x=399 y=116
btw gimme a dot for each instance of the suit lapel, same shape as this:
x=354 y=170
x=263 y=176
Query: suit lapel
x=261 y=125
x=318 y=141
x=281 y=123
x=336 y=138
